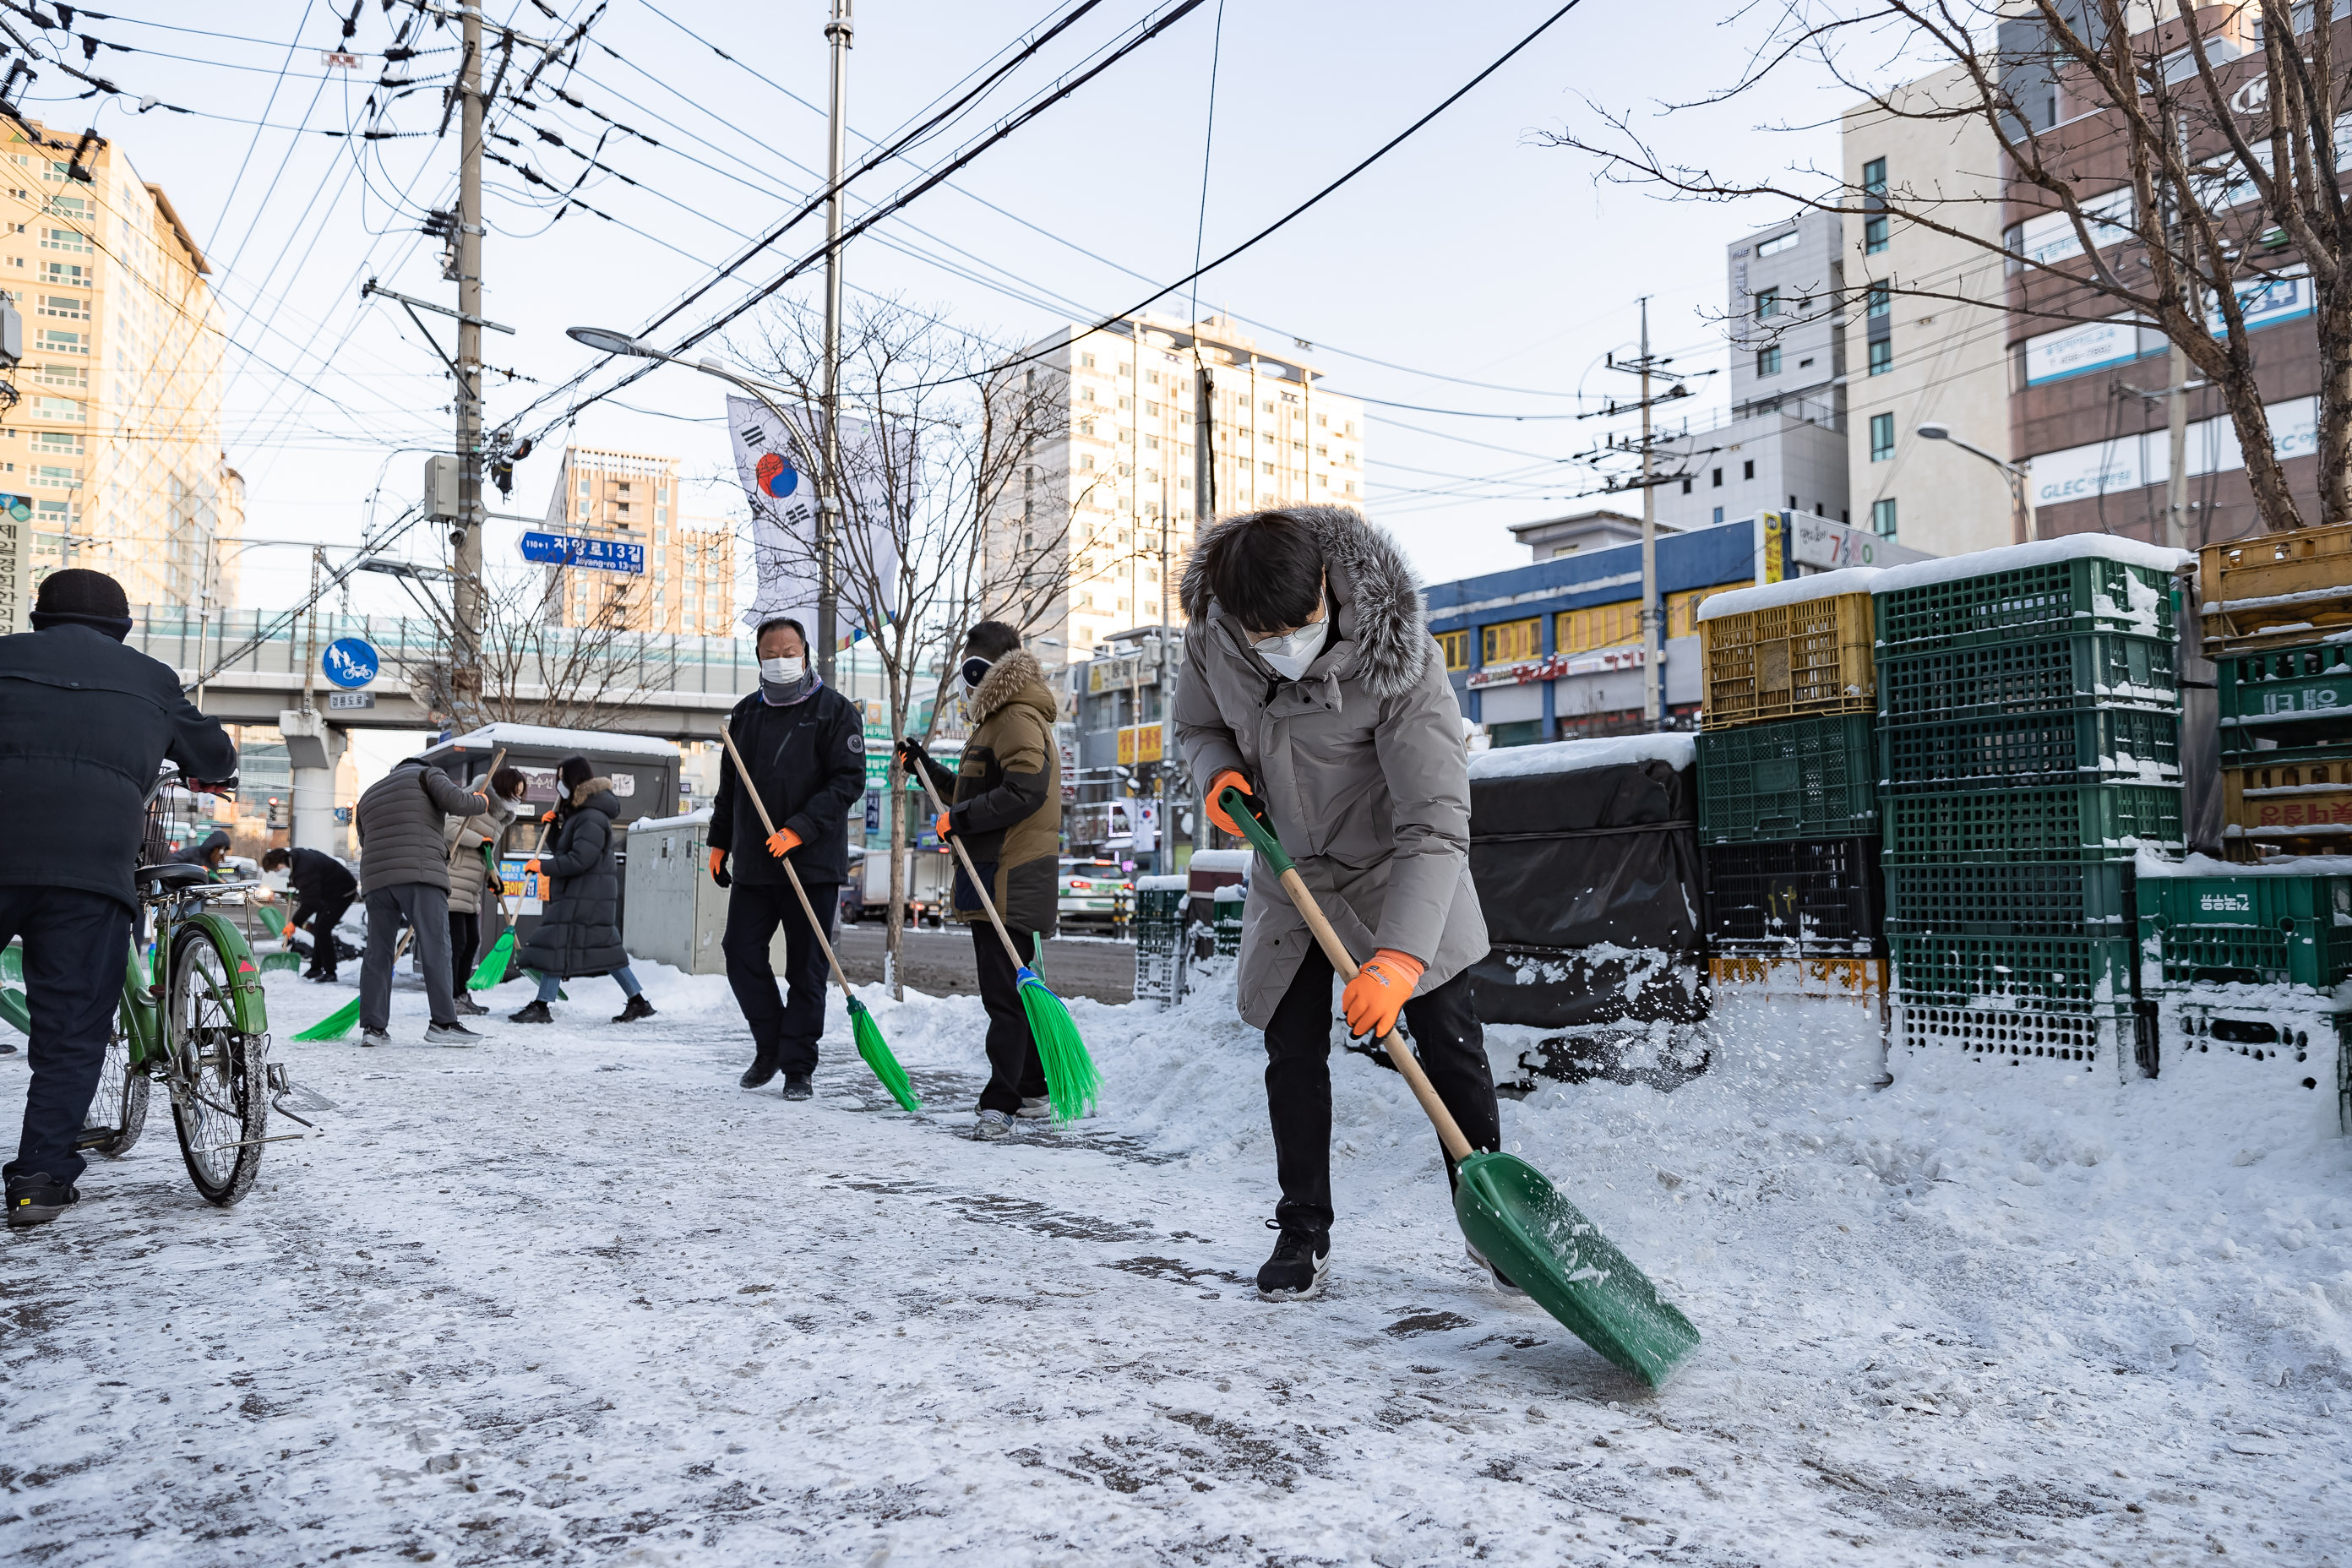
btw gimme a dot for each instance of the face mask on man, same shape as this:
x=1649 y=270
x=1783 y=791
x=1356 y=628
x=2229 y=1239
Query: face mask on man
x=975 y=670
x=783 y=672
x=1290 y=653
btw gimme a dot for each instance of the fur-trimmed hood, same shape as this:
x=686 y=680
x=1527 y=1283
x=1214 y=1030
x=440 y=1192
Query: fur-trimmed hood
x=1016 y=675
x=1375 y=591
x=589 y=788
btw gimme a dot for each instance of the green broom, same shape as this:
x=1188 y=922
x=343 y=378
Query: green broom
x=863 y=1030
x=492 y=970
x=1071 y=1080
x=338 y=1024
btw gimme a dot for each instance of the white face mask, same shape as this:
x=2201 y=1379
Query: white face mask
x=1290 y=654
x=783 y=672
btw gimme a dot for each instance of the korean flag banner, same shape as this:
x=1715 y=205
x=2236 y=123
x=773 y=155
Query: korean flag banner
x=776 y=460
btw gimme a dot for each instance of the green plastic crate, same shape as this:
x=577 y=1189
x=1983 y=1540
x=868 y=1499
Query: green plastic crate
x=2110 y=1039
x=2094 y=746
x=1787 y=778
x=1958 y=969
x=2041 y=898
x=2291 y=697
x=2254 y=931
x=2048 y=598
x=2063 y=822
x=2027 y=675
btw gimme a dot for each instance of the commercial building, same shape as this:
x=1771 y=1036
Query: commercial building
x=111 y=456
x=688 y=587
x=1926 y=330
x=1101 y=510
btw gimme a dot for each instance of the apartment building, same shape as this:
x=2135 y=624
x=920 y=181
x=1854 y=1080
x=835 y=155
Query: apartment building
x=688 y=587
x=1104 y=501
x=1926 y=326
x=111 y=456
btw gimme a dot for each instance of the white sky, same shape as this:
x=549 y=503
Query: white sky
x=1468 y=253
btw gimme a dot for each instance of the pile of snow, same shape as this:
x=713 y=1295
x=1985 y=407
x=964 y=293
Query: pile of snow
x=1791 y=591
x=597 y=741
x=2040 y=553
x=1678 y=750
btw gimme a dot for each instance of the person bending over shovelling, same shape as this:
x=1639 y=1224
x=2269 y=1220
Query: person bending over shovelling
x=323 y=888
x=85 y=726
x=1311 y=682
x=579 y=931
x=210 y=852
x=805 y=744
x=1006 y=805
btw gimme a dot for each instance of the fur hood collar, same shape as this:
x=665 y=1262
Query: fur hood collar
x=1007 y=681
x=587 y=790
x=1377 y=595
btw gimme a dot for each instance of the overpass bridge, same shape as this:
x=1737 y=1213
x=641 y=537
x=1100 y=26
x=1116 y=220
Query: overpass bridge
x=676 y=688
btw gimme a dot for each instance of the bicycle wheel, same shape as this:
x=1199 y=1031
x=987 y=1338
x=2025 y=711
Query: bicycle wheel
x=121 y=1102
x=219 y=1100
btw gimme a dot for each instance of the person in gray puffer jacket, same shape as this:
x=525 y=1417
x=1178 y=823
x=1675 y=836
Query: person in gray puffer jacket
x=579 y=931
x=1311 y=682
x=405 y=880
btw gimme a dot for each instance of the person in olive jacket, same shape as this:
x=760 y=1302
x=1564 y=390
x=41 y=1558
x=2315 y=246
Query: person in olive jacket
x=86 y=725
x=579 y=929
x=1007 y=807
x=805 y=746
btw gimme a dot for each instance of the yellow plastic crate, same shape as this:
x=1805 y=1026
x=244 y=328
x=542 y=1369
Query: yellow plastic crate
x=2302 y=806
x=1789 y=661
x=1850 y=979
x=2275 y=589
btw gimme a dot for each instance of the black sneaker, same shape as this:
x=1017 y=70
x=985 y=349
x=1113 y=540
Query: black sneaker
x=797 y=1085
x=761 y=1070
x=37 y=1200
x=1295 y=1272
x=637 y=1007
x=467 y=1007
x=536 y=1013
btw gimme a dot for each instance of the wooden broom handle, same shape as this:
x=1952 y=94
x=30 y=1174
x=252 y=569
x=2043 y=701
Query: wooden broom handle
x=971 y=872
x=744 y=773
x=1449 y=1132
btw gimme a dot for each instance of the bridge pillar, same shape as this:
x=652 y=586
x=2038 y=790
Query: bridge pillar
x=313 y=747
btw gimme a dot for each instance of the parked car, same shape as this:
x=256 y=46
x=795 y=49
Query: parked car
x=1094 y=892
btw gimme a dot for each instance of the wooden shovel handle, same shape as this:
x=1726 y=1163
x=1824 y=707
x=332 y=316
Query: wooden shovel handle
x=1449 y=1132
x=972 y=871
x=744 y=773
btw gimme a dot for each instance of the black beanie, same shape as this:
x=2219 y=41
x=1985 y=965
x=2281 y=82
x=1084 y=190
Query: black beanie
x=78 y=596
x=575 y=772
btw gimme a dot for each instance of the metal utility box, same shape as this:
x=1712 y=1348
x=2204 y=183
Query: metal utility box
x=672 y=911
x=643 y=768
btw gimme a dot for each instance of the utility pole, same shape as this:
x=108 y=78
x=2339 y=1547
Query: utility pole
x=1648 y=369
x=466 y=657
x=1167 y=844
x=1204 y=509
x=837 y=36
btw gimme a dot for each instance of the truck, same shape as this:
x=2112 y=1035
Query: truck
x=930 y=875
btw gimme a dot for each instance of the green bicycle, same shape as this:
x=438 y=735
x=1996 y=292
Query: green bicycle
x=191 y=1018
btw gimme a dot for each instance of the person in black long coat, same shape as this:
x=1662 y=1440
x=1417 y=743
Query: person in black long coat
x=579 y=929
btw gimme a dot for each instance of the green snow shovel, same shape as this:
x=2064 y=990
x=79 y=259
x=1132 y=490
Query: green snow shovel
x=871 y=1046
x=1071 y=1080
x=1508 y=1209
x=11 y=1009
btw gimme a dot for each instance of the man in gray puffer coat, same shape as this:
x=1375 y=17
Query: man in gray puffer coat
x=1311 y=681
x=405 y=880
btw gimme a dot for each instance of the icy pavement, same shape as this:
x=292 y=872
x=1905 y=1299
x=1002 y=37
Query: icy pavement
x=574 y=1297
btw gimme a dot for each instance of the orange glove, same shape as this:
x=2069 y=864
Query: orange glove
x=287 y=934
x=1216 y=792
x=548 y=815
x=782 y=842
x=530 y=866
x=941 y=826
x=1377 y=992
x=717 y=863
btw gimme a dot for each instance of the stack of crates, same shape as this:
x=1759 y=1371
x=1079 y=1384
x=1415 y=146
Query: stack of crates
x=2029 y=750
x=1787 y=808
x=2278 y=626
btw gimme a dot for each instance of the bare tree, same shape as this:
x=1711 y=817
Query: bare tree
x=535 y=671
x=2190 y=151
x=945 y=434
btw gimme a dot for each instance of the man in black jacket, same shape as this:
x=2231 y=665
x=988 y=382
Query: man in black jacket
x=85 y=725
x=323 y=888
x=805 y=745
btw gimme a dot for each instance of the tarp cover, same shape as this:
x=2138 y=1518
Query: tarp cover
x=1600 y=859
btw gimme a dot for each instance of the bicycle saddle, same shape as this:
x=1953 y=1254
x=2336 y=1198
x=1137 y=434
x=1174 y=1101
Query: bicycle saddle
x=171 y=877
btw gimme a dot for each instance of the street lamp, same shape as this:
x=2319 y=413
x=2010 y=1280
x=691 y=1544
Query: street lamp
x=2021 y=499
x=606 y=340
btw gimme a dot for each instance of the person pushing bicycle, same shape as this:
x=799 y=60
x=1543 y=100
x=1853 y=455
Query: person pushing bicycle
x=85 y=724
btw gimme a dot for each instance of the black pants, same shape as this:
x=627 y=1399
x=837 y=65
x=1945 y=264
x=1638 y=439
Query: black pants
x=76 y=944
x=785 y=1025
x=325 y=952
x=1445 y=1037
x=1016 y=1072
x=465 y=936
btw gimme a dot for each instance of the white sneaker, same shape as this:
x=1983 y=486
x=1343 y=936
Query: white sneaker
x=451 y=1035
x=1496 y=1275
x=374 y=1037
x=990 y=1126
x=1034 y=1107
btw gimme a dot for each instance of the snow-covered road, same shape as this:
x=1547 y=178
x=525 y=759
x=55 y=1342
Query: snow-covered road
x=573 y=1297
